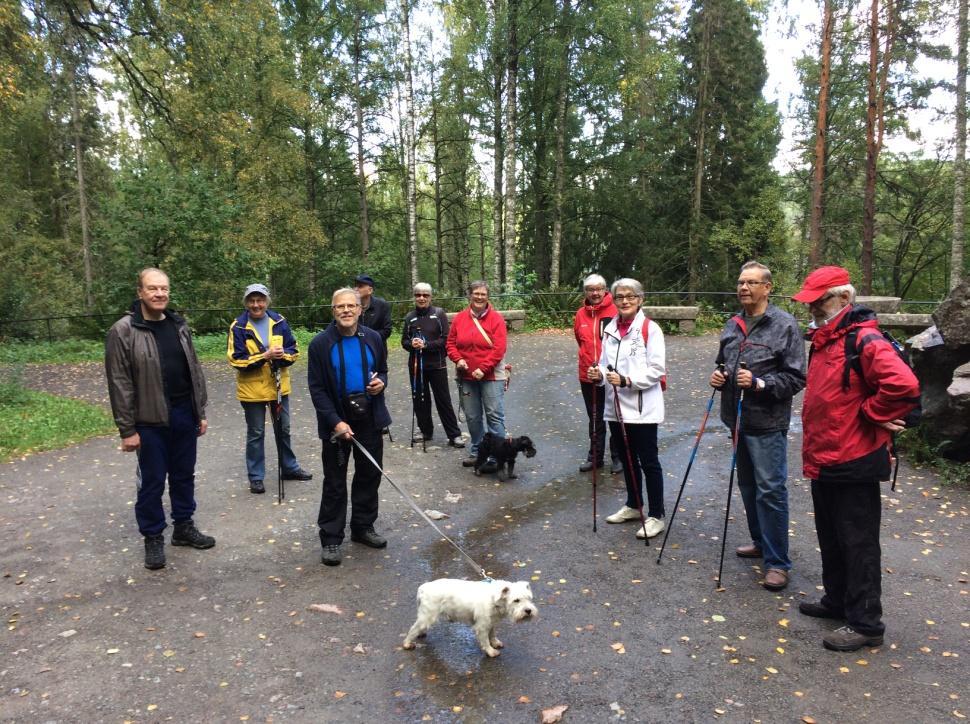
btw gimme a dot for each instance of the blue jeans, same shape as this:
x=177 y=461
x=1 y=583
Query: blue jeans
x=762 y=477
x=484 y=403
x=166 y=452
x=256 y=432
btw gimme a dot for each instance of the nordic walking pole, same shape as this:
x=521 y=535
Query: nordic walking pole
x=595 y=419
x=734 y=460
x=414 y=412
x=277 y=411
x=595 y=437
x=690 y=461
x=629 y=458
x=424 y=441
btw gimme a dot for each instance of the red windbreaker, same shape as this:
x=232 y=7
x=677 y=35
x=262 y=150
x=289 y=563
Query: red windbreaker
x=588 y=329
x=467 y=343
x=840 y=425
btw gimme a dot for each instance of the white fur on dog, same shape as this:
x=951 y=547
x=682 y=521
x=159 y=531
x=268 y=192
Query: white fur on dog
x=480 y=604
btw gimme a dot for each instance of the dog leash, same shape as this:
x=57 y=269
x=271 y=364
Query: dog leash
x=414 y=506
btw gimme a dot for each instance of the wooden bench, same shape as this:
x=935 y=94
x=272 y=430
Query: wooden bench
x=684 y=316
x=514 y=318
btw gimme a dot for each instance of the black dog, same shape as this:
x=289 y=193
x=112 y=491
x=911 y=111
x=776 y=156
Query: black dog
x=504 y=451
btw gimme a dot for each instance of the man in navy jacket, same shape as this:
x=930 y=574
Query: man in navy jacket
x=347 y=374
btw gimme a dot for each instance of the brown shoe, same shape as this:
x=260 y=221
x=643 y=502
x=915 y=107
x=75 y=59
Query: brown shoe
x=775 y=579
x=751 y=551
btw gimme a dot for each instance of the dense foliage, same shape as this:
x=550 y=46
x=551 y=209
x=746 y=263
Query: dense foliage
x=235 y=141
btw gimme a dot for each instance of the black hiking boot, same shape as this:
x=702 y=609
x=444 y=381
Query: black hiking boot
x=154 y=552
x=186 y=534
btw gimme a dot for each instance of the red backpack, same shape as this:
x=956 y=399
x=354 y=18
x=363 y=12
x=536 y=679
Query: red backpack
x=646 y=336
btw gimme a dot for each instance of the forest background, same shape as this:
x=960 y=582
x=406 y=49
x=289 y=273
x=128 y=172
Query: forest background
x=529 y=143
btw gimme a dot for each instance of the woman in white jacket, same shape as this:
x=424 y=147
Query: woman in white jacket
x=631 y=367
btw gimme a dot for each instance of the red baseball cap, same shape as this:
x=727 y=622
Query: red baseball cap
x=820 y=281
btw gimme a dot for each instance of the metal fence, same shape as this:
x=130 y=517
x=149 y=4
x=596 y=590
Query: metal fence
x=556 y=307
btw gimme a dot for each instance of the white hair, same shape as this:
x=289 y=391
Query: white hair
x=842 y=288
x=627 y=283
x=594 y=280
x=422 y=287
x=342 y=291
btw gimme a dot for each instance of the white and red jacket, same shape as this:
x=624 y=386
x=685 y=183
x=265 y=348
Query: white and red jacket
x=466 y=342
x=642 y=401
x=588 y=327
x=843 y=442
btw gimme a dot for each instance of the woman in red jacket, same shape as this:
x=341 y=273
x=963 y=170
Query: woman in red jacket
x=476 y=344
x=591 y=319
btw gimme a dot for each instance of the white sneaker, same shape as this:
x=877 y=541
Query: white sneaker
x=623 y=515
x=653 y=526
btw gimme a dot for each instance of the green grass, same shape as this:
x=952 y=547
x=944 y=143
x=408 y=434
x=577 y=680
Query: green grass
x=35 y=421
x=16 y=352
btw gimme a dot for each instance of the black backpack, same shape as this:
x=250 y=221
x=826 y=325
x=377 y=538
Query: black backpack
x=853 y=353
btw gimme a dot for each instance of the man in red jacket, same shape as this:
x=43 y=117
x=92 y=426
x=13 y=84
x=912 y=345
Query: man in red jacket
x=591 y=318
x=848 y=420
x=476 y=344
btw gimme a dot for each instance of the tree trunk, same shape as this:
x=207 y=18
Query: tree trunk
x=562 y=103
x=960 y=157
x=693 y=234
x=498 y=71
x=82 y=196
x=872 y=154
x=436 y=156
x=359 y=111
x=412 y=140
x=815 y=241
x=511 y=113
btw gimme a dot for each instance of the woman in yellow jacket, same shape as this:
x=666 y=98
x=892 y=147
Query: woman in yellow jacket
x=262 y=347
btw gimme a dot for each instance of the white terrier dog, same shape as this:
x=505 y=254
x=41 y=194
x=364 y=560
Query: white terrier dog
x=481 y=604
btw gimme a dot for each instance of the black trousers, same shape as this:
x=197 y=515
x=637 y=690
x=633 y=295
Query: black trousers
x=847 y=522
x=363 y=488
x=597 y=427
x=646 y=466
x=435 y=383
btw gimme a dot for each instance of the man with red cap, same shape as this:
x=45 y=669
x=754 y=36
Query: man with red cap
x=858 y=392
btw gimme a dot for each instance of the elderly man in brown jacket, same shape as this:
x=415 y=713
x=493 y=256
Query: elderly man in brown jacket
x=158 y=398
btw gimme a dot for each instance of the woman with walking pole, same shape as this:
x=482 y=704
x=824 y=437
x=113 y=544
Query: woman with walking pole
x=631 y=367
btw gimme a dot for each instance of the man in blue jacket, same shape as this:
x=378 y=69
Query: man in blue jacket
x=347 y=375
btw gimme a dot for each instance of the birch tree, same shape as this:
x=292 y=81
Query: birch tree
x=960 y=157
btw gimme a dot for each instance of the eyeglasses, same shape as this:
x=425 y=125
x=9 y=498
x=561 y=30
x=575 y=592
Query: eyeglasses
x=344 y=307
x=749 y=283
x=595 y=289
x=421 y=295
x=626 y=297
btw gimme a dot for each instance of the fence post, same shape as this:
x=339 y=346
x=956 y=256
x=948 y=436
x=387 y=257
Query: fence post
x=50 y=334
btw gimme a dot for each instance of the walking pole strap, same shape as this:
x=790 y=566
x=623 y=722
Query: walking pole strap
x=410 y=501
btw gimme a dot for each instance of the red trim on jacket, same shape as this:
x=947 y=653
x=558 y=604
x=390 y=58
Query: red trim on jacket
x=840 y=425
x=588 y=330
x=467 y=343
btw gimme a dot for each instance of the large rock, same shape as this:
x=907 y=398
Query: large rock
x=952 y=317
x=941 y=359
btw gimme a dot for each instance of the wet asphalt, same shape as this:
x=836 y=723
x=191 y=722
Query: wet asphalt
x=231 y=634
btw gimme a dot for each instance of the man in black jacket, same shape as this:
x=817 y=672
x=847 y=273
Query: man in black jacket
x=423 y=335
x=375 y=312
x=347 y=373
x=764 y=355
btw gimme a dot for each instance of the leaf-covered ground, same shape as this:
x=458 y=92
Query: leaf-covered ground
x=257 y=629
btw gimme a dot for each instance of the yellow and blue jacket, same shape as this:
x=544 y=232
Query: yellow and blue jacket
x=254 y=375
